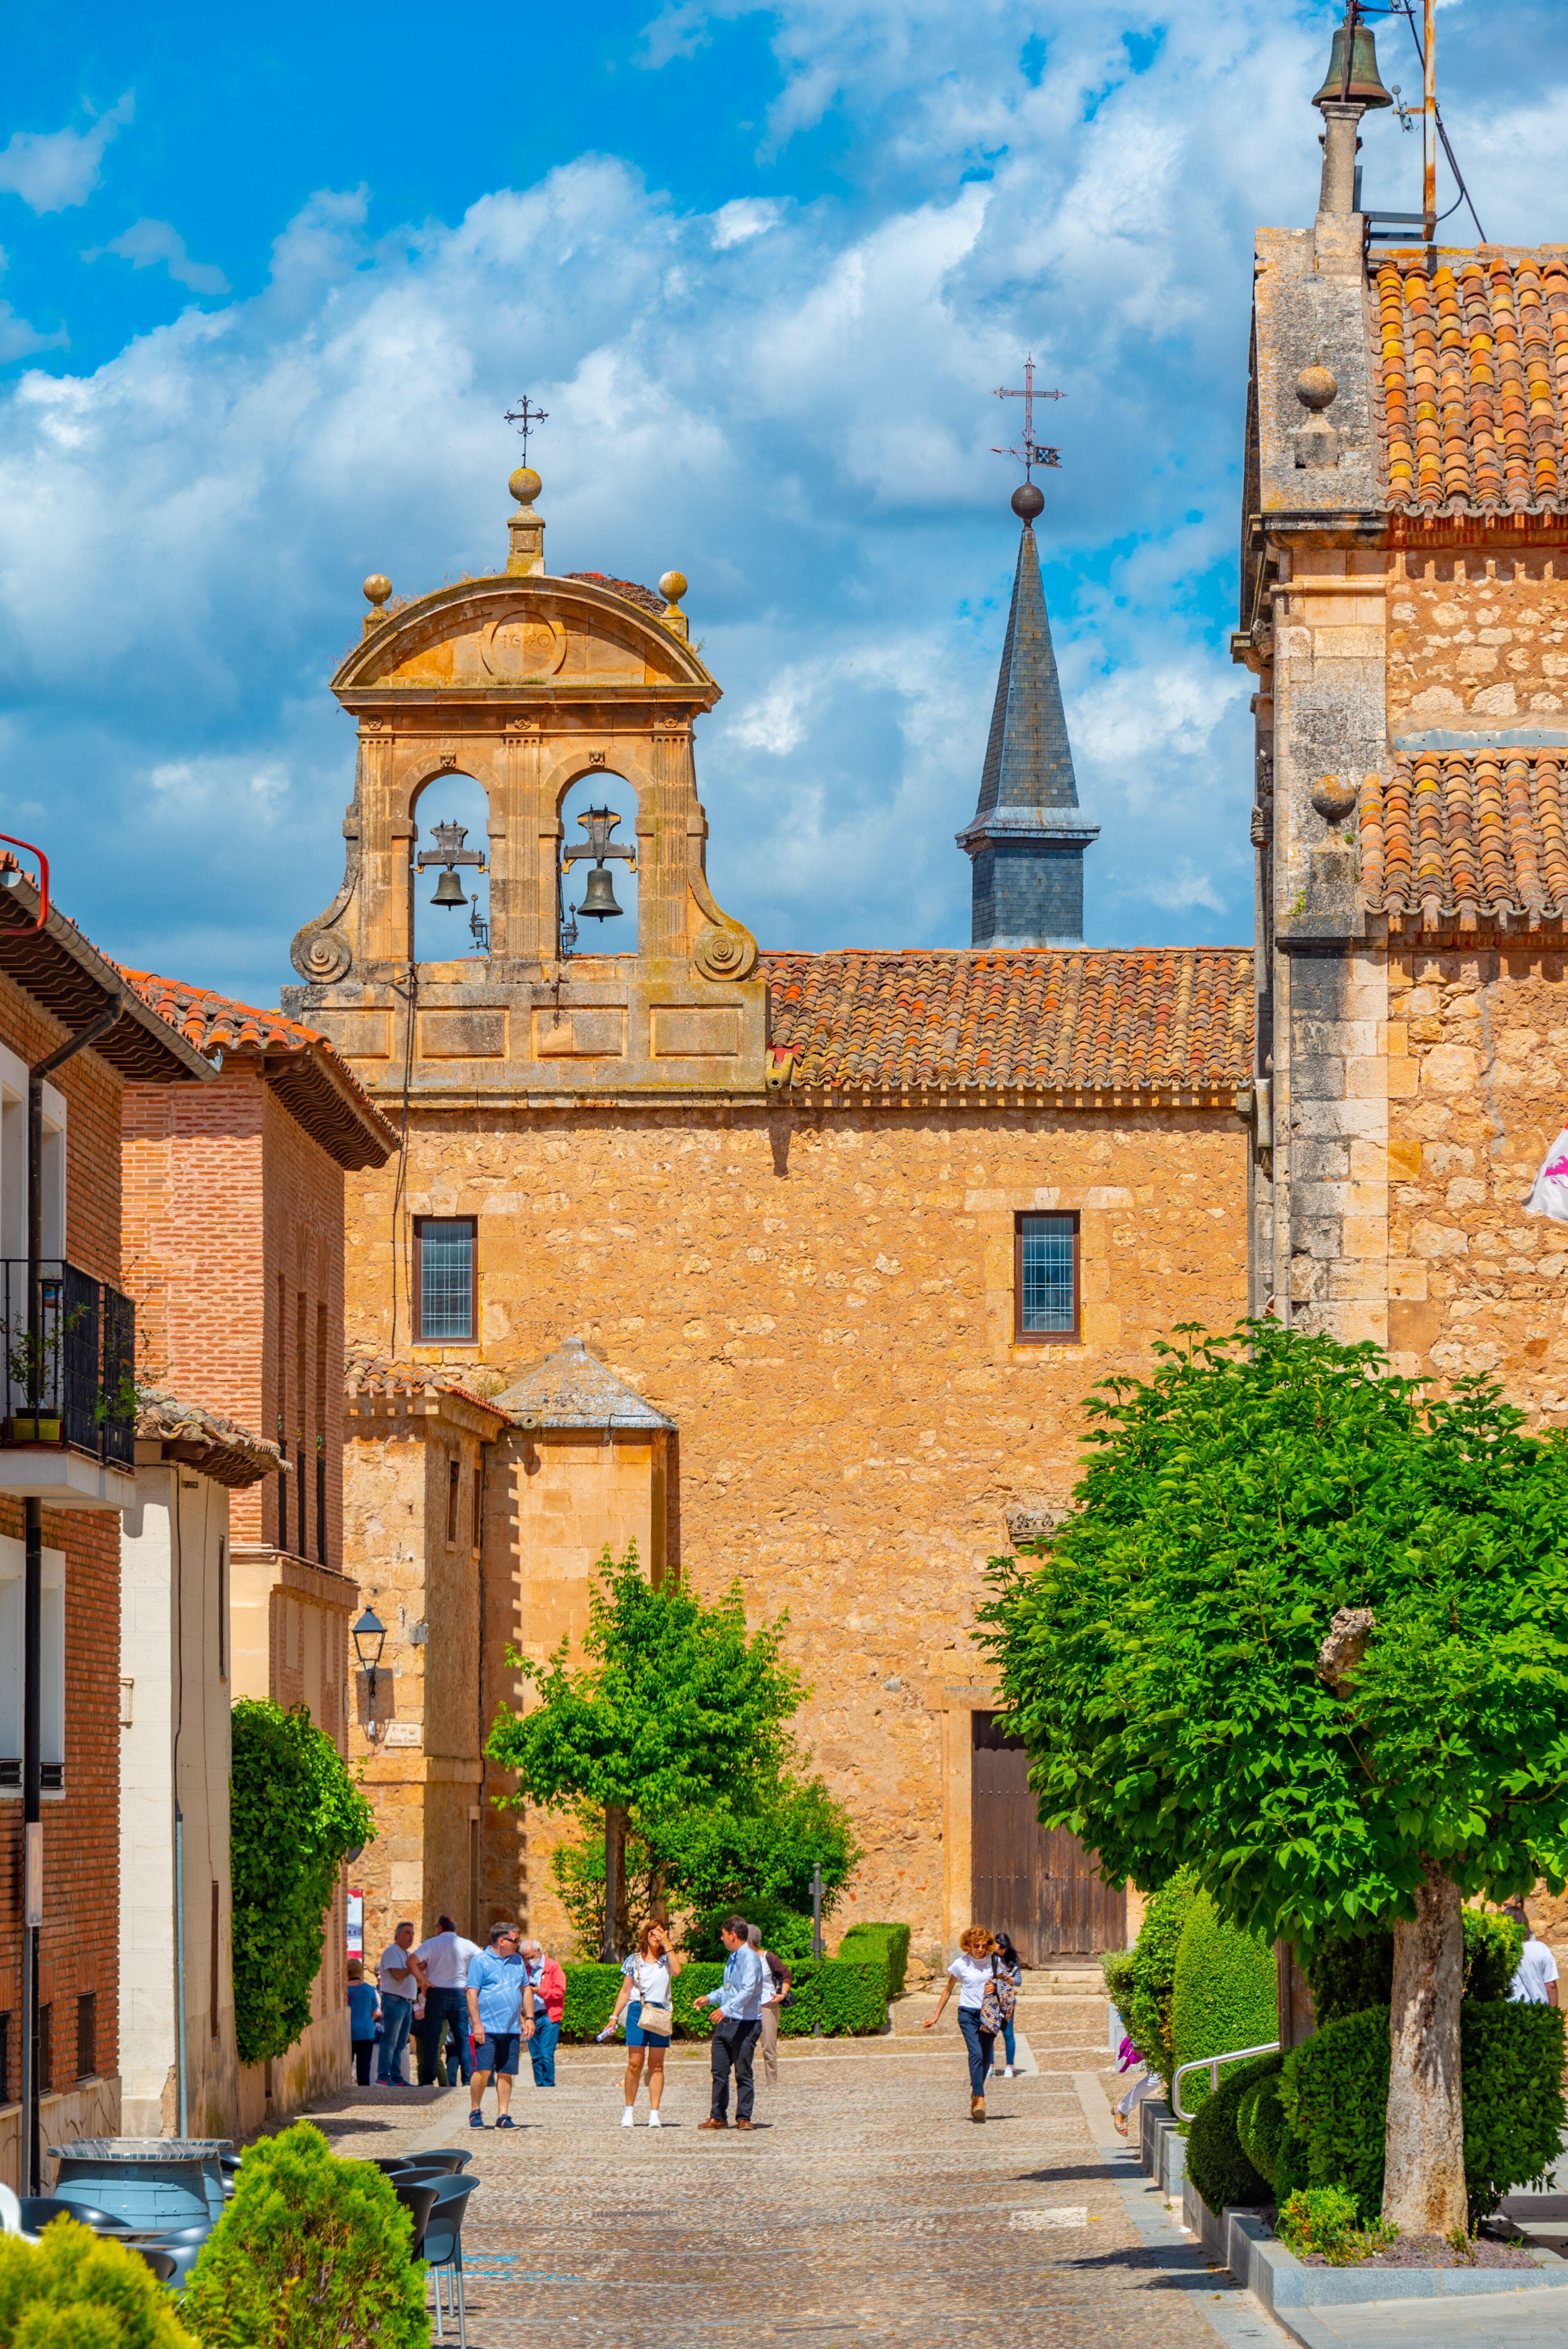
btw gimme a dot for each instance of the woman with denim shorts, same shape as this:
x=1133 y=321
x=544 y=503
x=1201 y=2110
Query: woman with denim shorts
x=972 y=1969
x=646 y=1980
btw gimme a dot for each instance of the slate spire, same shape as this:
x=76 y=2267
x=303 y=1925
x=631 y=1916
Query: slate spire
x=1026 y=838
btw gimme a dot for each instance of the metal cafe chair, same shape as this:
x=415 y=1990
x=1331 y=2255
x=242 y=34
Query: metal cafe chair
x=447 y=2157
x=419 y=2196
x=442 y=2251
x=37 y=2210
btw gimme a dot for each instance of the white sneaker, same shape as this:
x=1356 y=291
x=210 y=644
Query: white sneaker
x=627 y=2118
x=1008 y=2073
x=654 y=2121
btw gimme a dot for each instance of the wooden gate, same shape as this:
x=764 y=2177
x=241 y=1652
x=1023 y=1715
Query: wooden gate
x=1037 y=1884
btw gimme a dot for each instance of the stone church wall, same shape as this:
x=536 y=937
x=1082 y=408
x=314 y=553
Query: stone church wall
x=824 y=1304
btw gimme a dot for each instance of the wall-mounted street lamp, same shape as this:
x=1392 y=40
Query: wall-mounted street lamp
x=369 y=1639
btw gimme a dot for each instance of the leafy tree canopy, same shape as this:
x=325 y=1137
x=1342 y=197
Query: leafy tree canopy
x=296 y=1814
x=1162 y=1661
x=675 y=1702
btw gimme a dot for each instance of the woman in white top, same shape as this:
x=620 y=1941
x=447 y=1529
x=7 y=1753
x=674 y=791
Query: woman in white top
x=972 y=1969
x=646 y=1980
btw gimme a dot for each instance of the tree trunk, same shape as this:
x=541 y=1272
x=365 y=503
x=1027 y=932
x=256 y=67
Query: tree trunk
x=1424 y=2173
x=614 y=1884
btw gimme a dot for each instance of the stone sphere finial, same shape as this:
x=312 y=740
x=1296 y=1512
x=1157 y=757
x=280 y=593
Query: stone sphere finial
x=672 y=585
x=377 y=587
x=525 y=485
x=1317 y=387
x=1028 y=499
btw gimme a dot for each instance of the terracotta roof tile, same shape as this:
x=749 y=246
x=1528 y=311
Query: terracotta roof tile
x=1470 y=363
x=373 y=1374
x=1075 y=1018
x=642 y=596
x=226 y=1452
x=317 y=1087
x=1457 y=834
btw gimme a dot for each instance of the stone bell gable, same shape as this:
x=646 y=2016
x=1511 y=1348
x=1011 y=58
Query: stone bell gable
x=529 y=684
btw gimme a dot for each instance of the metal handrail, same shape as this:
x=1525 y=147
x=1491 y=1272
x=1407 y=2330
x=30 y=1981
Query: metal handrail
x=1211 y=2064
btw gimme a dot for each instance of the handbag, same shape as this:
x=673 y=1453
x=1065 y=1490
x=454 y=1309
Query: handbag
x=1000 y=1998
x=659 y=2019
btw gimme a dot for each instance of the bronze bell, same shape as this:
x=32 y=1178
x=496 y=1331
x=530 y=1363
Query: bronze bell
x=599 y=897
x=449 y=890
x=1366 y=85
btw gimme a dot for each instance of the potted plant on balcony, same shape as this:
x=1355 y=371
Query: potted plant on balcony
x=33 y=1365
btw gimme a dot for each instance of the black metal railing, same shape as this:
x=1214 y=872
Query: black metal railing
x=70 y=1366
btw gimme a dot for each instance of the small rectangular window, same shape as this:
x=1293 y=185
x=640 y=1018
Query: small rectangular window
x=215 y=1956
x=477 y=1539
x=1046 y=1280
x=452 y=1504
x=444 y=1279
x=87 y=2035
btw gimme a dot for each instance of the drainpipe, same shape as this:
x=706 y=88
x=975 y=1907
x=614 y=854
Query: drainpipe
x=182 y=2075
x=33 y=1611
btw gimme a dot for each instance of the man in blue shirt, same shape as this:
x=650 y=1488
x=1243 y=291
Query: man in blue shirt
x=500 y=2010
x=739 y=2000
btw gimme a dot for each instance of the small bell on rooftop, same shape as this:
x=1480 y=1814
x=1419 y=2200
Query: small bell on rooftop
x=449 y=890
x=1365 y=82
x=599 y=897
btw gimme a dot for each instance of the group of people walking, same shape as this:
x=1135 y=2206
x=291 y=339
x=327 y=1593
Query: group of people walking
x=757 y=1983
x=488 y=2002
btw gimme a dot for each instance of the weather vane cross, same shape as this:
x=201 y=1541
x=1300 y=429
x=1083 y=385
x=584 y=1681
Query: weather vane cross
x=526 y=417
x=1030 y=452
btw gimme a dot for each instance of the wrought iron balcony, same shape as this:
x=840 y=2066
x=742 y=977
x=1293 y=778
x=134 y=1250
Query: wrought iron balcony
x=69 y=1365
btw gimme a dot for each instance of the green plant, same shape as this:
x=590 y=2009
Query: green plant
x=1494 y=1947
x=1148 y=2013
x=672 y=1743
x=1346 y=1977
x=1321 y=2220
x=1224 y=1997
x=890 y=1943
x=312 y=2252
x=75 y=2290
x=1217 y=2162
x=1260 y=2116
x=845 y=1998
x=1307 y=1631
x=295 y=1813
x=1119 y=1971
x=1334 y=2090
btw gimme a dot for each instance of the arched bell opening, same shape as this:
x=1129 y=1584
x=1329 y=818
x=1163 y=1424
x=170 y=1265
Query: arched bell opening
x=448 y=870
x=598 y=888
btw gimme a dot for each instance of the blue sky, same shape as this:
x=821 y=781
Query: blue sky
x=270 y=284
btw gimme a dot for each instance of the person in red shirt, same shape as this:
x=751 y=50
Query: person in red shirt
x=549 y=2006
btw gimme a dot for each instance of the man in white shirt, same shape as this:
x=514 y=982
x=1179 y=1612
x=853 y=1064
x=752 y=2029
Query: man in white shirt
x=401 y=1977
x=444 y=1961
x=1535 y=1978
x=738 y=1999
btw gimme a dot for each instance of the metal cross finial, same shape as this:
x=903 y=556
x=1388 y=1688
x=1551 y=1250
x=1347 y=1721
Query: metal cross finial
x=525 y=416
x=1030 y=452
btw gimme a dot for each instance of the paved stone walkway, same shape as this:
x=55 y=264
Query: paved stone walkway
x=864 y=2207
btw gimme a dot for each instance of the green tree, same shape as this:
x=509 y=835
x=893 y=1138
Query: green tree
x=674 y=1728
x=1306 y=1633
x=294 y=1816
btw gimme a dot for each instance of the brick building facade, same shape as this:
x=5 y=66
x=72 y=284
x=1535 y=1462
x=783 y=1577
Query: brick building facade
x=52 y=986
x=234 y=1244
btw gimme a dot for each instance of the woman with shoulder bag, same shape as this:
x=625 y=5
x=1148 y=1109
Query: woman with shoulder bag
x=1009 y=1964
x=974 y=1973
x=646 y=1991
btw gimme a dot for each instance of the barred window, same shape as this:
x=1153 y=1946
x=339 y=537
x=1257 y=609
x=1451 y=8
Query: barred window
x=1046 y=1280
x=444 y=1280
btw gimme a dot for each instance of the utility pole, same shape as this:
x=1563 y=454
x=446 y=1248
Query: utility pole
x=1429 y=128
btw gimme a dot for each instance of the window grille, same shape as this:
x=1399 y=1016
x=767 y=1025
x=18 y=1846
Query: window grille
x=444 y=1279
x=1046 y=1280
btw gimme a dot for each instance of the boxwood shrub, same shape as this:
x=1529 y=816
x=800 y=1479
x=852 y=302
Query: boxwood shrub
x=1349 y=1977
x=1223 y=1996
x=1335 y=2091
x=76 y=2288
x=890 y=1943
x=1147 y=2013
x=1216 y=2162
x=1260 y=2115
x=847 y=1998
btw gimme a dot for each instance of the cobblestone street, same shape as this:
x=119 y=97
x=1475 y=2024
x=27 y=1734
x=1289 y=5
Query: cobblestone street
x=864 y=2207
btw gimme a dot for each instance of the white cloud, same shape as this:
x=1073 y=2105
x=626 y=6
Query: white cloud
x=186 y=787
x=146 y=243
x=53 y=170
x=747 y=216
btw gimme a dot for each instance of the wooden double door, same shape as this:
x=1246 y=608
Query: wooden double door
x=1036 y=1883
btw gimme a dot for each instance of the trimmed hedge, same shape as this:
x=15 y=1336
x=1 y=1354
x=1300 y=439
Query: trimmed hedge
x=847 y=1998
x=77 y=2288
x=1147 y=2013
x=1335 y=2091
x=1217 y=2162
x=1223 y=1996
x=1260 y=2115
x=1349 y=1977
x=887 y=1943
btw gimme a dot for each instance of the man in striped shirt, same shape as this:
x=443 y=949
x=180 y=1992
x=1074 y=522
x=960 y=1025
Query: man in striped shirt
x=739 y=2000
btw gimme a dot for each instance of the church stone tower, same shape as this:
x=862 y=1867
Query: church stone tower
x=1027 y=836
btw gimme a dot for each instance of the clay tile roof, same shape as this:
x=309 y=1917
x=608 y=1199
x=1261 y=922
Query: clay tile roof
x=626 y=587
x=319 y=1090
x=373 y=1374
x=1075 y=1018
x=1453 y=835
x=230 y=1455
x=572 y=1388
x=1471 y=372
